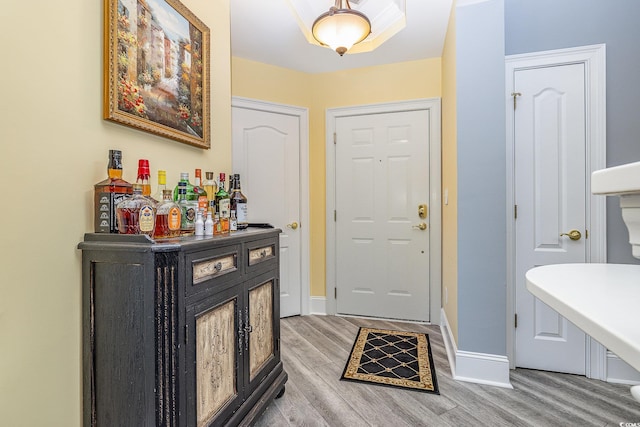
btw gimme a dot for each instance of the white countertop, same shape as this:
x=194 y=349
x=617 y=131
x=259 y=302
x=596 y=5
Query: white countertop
x=601 y=299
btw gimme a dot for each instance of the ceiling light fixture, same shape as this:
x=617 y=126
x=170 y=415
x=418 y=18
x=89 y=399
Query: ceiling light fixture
x=340 y=28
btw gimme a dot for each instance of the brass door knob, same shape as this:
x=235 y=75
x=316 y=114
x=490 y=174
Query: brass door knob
x=421 y=226
x=573 y=234
x=293 y=225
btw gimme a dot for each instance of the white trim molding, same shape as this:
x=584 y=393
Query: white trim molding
x=594 y=59
x=318 y=305
x=479 y=368
x=432 y=105
x=620 y=372
x=302 y=114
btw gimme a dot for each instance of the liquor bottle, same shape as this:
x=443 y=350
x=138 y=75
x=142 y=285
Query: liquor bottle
x=217 y=228
x=211 y=188
x=208 y=225
x=144 y=176
x=158 y=196
x=199 y=224
x=184 y=177
x=108 y=193
x=223 y=205
x=231 y=183
x=239 y=203
x=168 y=217
x=187 y=211
x=200 y=191
x=137 y=214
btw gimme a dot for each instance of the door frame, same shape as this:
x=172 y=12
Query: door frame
x=303 y=119
x=432 y=105
x=594 y=59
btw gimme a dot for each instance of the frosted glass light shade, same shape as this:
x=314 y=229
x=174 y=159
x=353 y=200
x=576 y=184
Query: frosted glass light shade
x=340 y=29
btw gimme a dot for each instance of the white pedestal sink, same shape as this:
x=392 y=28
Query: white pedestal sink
x=623 y=181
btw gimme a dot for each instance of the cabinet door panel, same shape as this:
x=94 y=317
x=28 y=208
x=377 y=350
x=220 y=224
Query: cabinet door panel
x=215 y=389
x=261 y=321
x=262 y=345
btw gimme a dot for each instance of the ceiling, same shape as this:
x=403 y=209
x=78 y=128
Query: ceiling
x=267 y=31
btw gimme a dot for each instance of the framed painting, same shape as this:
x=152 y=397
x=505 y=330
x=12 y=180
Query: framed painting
x=156 y=69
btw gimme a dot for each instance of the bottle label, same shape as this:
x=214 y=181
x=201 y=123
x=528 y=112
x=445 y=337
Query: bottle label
x=225 y=208
x=105 y=211
x=241 y=213
x=147 y=220
x=189 y=210
x=203 y=202
x=174 y=218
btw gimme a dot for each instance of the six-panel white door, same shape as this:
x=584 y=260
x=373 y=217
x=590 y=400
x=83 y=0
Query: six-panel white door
x=382 y=176
x=550 y=179
x=266 y=154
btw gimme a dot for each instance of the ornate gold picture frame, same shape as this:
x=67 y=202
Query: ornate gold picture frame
x=156 y=69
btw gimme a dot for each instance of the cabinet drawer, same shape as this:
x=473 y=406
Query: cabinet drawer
x=261 y=253
x=211 y=268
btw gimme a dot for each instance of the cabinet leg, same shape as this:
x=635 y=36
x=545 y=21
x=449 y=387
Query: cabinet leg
x=280 y=393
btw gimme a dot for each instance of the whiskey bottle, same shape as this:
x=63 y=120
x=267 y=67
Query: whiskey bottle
x=144 y=176
x=188 y=210
x=137 y=214
x=239 y=203
x=158 y=196
x=108 y=193
x=168 y=217
x=223 y=205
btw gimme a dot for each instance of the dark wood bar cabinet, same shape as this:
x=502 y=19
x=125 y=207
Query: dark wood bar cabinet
x=180 y=332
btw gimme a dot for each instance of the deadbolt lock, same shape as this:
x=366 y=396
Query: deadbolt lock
x=422 y=210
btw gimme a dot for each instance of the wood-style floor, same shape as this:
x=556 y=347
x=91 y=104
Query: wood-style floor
x=315 y=350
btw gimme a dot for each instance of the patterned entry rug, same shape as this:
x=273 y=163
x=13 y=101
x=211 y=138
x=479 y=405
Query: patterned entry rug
x=392 y=358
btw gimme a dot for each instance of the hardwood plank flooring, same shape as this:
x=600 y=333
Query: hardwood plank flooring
x=315 y=350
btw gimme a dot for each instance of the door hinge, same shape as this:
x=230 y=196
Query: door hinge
x=335 y=292
x=335 y=216
x=515 y=95
x=515 y=320
x=335 y=139
x=515 y=211
x=186 y=334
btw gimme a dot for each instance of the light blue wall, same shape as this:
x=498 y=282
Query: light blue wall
x=539 y=25
x=480 y=102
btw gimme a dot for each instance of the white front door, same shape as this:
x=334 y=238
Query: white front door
x=266 y=154
x=550 y=194
x=381 y=181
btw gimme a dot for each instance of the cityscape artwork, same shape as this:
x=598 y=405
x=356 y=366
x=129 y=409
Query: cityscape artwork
x=157 y=69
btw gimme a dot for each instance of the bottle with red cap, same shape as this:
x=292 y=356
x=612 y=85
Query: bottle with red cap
x=144 y=176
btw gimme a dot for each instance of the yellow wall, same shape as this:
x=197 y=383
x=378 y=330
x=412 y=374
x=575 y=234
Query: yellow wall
x=317 y=92
x=450 y=179
x=53 y=148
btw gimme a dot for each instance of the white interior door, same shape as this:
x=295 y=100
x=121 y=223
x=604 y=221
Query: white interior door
x=266 y=154
x=382 y=178
x=550 y=193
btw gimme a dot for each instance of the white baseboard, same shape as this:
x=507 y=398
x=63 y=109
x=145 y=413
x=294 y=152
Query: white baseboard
x=480 y=368
x=318 y=305
x=620 y=372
